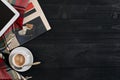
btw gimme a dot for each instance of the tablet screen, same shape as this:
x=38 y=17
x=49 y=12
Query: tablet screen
x=5 y=15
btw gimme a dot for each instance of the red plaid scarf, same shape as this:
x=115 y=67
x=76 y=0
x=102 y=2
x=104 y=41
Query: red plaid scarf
x=3 y=73
x=6 y=73
x=20 y=5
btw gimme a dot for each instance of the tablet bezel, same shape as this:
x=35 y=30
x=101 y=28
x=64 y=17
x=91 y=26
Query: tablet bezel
x=12 y=20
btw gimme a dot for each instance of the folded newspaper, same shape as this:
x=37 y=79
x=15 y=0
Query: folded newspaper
x=34 y=24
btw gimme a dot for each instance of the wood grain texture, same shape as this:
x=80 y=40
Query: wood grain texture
x=84 y=43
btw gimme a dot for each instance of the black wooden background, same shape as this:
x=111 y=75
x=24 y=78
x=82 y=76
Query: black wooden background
x=84 y=43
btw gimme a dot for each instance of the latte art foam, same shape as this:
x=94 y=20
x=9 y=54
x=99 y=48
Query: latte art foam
x=19 y=59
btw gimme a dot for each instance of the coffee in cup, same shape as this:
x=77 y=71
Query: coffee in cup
x=18 y=60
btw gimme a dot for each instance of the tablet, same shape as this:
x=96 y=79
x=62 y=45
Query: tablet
x=8 y=15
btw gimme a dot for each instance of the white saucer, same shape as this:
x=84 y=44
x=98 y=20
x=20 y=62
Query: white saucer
x=26 y=51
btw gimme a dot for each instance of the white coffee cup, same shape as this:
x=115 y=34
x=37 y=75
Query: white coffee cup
x=19 y=60
x=19 y=57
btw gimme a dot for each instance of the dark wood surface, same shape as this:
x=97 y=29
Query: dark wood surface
x=84 y=43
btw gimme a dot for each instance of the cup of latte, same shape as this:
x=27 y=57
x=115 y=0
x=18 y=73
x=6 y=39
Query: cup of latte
x=20 y=59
